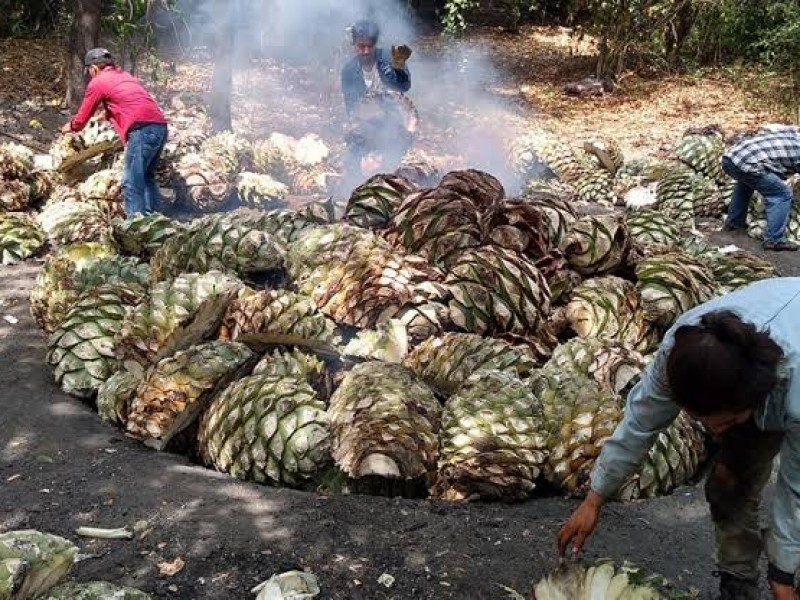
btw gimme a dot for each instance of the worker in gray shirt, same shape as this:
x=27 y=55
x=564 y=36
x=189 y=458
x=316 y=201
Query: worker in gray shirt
x=734 y=365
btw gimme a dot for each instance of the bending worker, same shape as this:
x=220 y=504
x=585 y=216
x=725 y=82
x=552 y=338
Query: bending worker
x=138 y=121
x=734 y=365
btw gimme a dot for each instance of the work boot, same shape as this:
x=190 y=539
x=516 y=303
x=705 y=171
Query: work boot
x=731 y=227
x=782 y=246
x=737 y=588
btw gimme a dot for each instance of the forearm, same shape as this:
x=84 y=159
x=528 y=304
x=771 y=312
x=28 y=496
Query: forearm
x=88 y=107
x=648 y=411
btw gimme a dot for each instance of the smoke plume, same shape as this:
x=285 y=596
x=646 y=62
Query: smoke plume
x=305 y=44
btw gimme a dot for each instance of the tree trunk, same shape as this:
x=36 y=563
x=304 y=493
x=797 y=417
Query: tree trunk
x=83 y=37
x=222 y=81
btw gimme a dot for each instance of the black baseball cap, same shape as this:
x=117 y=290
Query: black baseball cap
x=97 y=56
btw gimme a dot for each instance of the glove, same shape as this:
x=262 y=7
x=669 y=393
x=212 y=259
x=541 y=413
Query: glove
x=400 y=54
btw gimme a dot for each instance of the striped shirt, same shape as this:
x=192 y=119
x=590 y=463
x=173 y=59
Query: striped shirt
x=776 y=151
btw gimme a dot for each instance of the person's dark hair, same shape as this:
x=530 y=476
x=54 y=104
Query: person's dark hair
x=366 y=30
x=723 y=364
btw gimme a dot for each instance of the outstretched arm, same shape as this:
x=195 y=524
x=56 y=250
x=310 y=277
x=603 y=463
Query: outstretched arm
x=649 y=410
x=91 y=101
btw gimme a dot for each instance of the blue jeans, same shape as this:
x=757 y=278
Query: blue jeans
x=141 y=157
x=777 y=197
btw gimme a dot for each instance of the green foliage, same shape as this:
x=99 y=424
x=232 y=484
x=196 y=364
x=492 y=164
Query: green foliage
x=454 y=17
x=457 y=15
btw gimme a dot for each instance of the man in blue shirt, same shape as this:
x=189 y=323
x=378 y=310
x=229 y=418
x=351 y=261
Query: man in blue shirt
x=369 y=80
x=733 y=364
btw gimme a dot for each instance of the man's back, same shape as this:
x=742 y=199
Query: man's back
x=775 y=152
x=126 y=100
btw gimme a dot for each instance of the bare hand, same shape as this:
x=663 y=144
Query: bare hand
x=782 y=592
x=67 y=128
x=400 y=54
x=581 y=524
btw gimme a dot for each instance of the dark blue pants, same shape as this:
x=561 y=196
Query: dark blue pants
x=141 y=157
x=777 y=199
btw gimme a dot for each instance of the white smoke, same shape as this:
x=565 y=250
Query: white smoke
x=451 y=81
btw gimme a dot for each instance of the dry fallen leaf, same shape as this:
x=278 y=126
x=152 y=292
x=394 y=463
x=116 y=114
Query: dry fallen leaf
x=171 y=568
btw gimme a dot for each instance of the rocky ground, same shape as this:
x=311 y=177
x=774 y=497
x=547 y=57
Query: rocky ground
x=61 y=467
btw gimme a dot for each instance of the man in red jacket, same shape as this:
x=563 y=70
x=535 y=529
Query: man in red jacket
x=138 y=120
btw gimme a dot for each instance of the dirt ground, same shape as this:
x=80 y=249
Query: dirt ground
x=60 y=467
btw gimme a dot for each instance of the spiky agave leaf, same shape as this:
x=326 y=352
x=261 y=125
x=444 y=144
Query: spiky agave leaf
x=367 y=290
x=596 y=187
x=298 y=364
x=81 y=349
x=218 y=243
x=310 y=255
x=207 y=186
x=610 y=307
x=111 y=270
x=613 y=364
x=444 y=363
x=16 y=161
x=115 y=394
x=229 y=151
x=483 y=189
x=257 y=190
x=20 y=237
x=602 y=580
x=597 y=245
x=74 y=222
x=497 y=291
x=276 y=156
x=384 y=422
x=672 y=461
x=103 y=189
x=95 y=590
x=519 y=226
x=493 y=443
x=672 y=283
x=652 y=231
x=55 y=289
x=675 y=195
x=560 y=278
x=438 y=224
x=372 y=204
x=177 y=389
x=42 y=184
x=32 y=562
x=607 y=151
x=277 y=312
x=267 y=428
x=286 y=225
x=703 y=153
x=177 y=314
x=562 y=159
x=143 y=235
x=580 y=415
x=733 y=270
x=757 y=220
x=15 y=195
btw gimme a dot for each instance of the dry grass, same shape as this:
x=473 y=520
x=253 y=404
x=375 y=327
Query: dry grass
x=645 y=115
